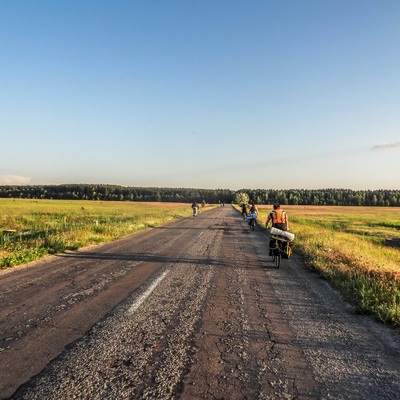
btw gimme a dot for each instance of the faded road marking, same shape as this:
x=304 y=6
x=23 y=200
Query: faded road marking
x=147 y=293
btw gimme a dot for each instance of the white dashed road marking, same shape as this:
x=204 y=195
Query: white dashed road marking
x=147 y=293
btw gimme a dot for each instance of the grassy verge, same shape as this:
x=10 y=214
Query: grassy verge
x=30 y=229
x=348 y=247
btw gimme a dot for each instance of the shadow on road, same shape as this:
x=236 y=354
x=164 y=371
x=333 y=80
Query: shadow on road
x=139 y=257
x=151 y=258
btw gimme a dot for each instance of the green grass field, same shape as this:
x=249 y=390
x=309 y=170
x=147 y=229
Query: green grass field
x=349 y=247
x=30 y=229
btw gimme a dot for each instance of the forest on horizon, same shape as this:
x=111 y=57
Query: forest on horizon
x=103 y=192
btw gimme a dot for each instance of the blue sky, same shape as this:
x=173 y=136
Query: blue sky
x=211 y=94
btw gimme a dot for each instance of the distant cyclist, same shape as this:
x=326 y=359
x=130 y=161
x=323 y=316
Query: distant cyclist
x=253 y=209
x=279 y=218
x=195 y=208
x=244 y=210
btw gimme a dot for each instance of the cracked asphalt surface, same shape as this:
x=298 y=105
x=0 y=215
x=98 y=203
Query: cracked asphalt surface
x=191 y=310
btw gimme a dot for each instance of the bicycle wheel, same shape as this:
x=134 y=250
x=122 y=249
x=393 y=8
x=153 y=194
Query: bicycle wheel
x=278 y=260
x=273 y=248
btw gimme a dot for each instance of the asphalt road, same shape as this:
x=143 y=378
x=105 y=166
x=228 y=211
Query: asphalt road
x=191 y=310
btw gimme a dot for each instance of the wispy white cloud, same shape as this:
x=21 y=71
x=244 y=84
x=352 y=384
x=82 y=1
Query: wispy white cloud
x=14 y=180
x=386 y=145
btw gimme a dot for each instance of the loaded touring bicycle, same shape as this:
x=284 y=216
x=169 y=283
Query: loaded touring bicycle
x=280 y=245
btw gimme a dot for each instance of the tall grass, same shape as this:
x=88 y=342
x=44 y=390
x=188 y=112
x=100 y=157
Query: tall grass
x=347 y=246
x=30 y=229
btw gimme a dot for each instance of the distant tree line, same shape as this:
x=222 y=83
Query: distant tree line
x=326 y=197
x=116 y=193
x=332 y=197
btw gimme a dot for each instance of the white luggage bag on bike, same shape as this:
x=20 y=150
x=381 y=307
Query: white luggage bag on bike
x=285 y=234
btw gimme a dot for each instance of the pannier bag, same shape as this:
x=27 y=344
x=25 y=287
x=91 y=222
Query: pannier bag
x=277 y=246
x=287 y=251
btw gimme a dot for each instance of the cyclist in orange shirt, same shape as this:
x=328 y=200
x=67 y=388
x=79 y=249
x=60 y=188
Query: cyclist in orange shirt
x=279 y=218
